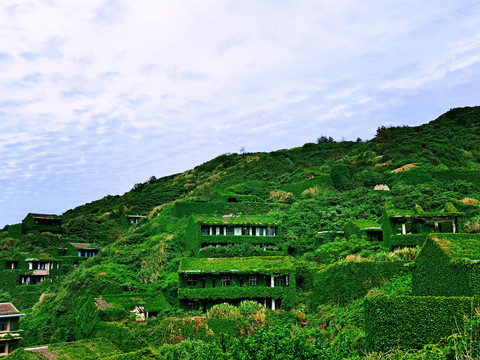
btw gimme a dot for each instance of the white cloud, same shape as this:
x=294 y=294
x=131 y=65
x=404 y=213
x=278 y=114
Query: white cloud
x=109 y=92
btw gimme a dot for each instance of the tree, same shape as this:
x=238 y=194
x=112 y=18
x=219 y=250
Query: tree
x=324 y=139
x=341 y=177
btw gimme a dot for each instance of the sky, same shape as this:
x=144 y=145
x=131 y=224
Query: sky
x=98 y=95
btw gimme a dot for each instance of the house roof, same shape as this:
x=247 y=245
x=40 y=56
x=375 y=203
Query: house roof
x=230 y=219
x=8 y=309
x=80 y=245
x=261 y=264
x=151 y=301
x=45 y=216
x=448 y=210
x=364 y=224
x=459 y=246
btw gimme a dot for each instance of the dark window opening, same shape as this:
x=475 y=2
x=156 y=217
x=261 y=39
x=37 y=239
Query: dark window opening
x=192 y=306
x=225 y=281
x=205 y=229
x=278 y=304
x=280 y=280
x=11 y=265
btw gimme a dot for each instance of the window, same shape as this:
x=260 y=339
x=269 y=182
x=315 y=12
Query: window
x=3 y=326
x=191 y=281
x=280 y=280
x=2 y=348
x=205 y=230
x=252 y=280
x=225 y=280
x=230 y=230
x=11 y=264
x=36 y=265
x=278 y=303
x=192 y=306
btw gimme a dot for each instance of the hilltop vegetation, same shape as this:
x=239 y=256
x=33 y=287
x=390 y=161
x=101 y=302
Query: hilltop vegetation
x=317 y=187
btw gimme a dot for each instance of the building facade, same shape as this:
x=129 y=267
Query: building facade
x=9 y=333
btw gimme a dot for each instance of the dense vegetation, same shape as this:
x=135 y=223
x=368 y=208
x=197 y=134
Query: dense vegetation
x=318 y=187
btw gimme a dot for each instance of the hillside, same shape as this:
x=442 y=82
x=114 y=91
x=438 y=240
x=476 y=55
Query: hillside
x=323 y=187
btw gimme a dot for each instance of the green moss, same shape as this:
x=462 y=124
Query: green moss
x=264 y=220
x=150 y=301
x=245 y=265
x=443 y=266
x=410 y=322
x=345 y=281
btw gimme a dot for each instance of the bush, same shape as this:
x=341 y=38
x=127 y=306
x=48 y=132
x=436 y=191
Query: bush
x=413 y=321
x=341 y=177
x=342 y=282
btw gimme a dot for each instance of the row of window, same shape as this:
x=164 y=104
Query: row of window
x=238 y=230
x=418 y=227
x=31 y=279
x=87 y=253
x=196 y=305
x=33 y=265
x=226 y=280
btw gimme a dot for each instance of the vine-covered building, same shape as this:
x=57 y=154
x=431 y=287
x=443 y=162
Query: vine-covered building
x=448 y=265
x=9 y=333
x=217 y=230
x=410 y=227
x=36 y=223
x=33 y=268
x=270 y=280
x=369 y=229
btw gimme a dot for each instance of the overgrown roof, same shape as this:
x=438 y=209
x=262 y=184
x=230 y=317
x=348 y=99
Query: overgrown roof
x=44 y=216
x=364 y=224
x=448 y=210
x=459 y=246
x=236 y=219
x=261 y=264
x=151 y=301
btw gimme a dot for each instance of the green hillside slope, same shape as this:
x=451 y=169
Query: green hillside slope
x=312 y=192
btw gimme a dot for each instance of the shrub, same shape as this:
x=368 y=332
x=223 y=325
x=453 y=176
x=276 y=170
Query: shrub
x=221 y=311
x=413 y=321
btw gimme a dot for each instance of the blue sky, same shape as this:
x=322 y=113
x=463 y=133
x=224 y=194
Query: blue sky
x=99 y=95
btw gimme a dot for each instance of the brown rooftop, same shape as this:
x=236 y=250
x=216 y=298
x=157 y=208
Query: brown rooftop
x=8 y=309
x=44 y=216
x=80 y=245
